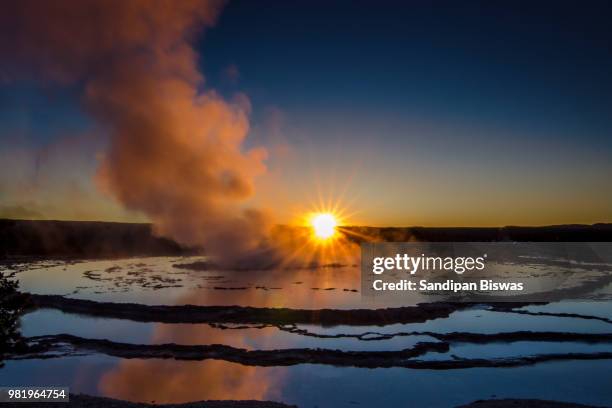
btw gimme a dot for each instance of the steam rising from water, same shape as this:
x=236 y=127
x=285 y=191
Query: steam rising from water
x=175 y=151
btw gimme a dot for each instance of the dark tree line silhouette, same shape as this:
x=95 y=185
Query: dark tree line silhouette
x=12 y=304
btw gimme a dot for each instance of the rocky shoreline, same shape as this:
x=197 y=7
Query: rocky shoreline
x=87 y=401
x=62 y=345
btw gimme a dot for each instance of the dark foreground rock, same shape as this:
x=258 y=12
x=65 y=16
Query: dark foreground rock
x=54 y=346
x=86 y=401
x=243 y=314
x=523 y=403
x=275 y=316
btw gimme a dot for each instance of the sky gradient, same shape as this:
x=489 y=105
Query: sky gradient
x=406 y=113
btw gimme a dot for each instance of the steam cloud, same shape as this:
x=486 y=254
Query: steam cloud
x=175 y=151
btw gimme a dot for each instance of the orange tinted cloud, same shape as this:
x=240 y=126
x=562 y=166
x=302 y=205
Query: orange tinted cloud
x=169 y=381
x=176 y=152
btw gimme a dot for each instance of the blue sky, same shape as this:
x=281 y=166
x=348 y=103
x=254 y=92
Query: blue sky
x=432 y=113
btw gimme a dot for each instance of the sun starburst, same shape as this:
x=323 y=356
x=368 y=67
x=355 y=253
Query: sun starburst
x=323 y=225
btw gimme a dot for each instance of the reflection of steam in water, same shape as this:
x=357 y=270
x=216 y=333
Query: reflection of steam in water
x=170 y=381
x=179 y=381
x=173 y=381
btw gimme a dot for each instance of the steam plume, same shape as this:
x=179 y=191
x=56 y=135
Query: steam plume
x=175 y=151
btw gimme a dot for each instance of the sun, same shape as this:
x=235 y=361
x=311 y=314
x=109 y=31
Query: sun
x=324 y=225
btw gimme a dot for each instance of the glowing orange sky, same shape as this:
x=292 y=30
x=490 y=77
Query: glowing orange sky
x=470 y=135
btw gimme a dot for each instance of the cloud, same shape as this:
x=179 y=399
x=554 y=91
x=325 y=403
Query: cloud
x=176 y=152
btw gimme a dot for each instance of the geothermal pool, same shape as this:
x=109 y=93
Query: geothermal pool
x=571 y=328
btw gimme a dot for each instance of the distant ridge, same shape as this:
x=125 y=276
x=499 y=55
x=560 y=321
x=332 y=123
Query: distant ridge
x=113 y=239
x=600 y=232
x=82 y=239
